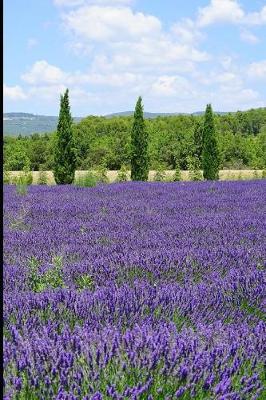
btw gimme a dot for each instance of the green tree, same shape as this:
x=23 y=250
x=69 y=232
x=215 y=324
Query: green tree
x=65 y=157
x=210 y=153
x=139 y=143
x=198 y=139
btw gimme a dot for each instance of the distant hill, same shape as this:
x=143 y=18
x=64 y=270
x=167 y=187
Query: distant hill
x=150 y=115
x=16 y=123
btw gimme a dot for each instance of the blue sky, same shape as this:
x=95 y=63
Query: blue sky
x=177 y=55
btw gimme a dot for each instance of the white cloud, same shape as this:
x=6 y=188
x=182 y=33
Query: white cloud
x=257 y=70
x=220 y=11
x=248 y=37
x=111 y=23
x=43 y=72
x=47 y=92
x=256 y=18
x=229 y=11
x=187 y=31
x=172 y=86
x=14 y=93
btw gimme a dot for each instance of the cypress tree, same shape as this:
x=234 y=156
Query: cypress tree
x=65 y=157
x=139 y=146
x=210 y=153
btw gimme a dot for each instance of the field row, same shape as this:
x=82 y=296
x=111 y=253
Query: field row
x=185 y=175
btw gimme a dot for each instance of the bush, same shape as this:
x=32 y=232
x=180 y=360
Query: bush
x=43 y=179
x=101 y=174
x=195 y=173
x=122 y=174
x=6 y=178
x=177 y=175
x=160 y=175
x=239 y=178
x=88 y=180
x=255 y=174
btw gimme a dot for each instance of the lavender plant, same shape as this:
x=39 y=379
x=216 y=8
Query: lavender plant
x=149 y=291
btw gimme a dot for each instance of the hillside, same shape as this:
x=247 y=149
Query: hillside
x=25 y=124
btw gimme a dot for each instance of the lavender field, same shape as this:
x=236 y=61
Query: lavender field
x=135 y=291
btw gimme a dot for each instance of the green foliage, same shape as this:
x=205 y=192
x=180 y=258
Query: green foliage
x=84 y=281
x=101 y=174
x=87 y=180
x=172 y=139
x=65 y=155
x=177 y=175
x=51 y=279
x=210 y=152
x=122 y=174
x=139 y=144
x=255 y=174
x=6 y=178
x=198 y=139
x=194 y=169
x=23 y=180
x=43 y=178
x=160 y=174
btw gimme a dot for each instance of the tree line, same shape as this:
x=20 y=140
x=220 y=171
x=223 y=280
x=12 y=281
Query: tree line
x=173 y=141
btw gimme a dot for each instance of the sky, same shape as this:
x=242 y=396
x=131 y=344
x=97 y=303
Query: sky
x=178 y=55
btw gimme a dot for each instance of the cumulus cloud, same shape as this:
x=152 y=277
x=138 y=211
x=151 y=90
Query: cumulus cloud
x=43 y=72
x=220 y=11
x=256 y=18
x=229 y=11
x=186 y=31
x=111 y=23
x=171 y=86
x=14 y=93
x=131 y=53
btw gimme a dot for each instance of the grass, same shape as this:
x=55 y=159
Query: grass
x=113 y=175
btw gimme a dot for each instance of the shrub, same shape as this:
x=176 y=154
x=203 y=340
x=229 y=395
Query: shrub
x=43 y=179
x=6 y=178
x=263 y=174
x=195 y=173
x=101 y=174
x=255 y=174
x=239 y=178
x=177 y=175
x=122 y=174
x=88 y=180
x=159 y=174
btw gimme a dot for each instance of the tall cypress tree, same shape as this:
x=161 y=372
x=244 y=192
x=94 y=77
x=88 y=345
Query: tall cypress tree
x=139 y=146
x=65 y=157
x=210 y=153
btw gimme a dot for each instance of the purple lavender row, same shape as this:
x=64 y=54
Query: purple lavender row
x=135 y=291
